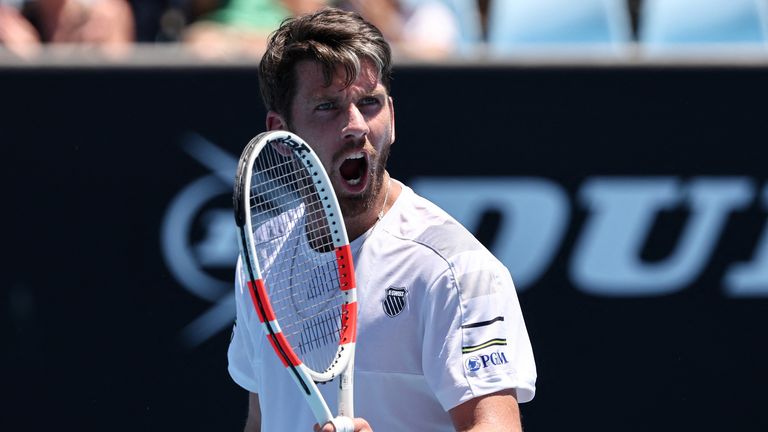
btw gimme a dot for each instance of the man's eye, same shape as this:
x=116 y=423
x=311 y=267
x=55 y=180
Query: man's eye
x=325 y=106
x=369 y=101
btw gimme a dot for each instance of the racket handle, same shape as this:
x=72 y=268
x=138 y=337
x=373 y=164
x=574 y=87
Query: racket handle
x=346 y=390
x=343 y=424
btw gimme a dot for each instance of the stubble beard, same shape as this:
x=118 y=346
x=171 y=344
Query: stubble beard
x=352 y=207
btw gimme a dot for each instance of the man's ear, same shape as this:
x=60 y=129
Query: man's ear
x=276 y=122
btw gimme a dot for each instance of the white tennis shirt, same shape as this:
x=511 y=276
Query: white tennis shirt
x=439 y=324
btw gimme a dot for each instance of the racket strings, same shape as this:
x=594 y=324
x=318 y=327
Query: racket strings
x=319 y=331
x=297 y=255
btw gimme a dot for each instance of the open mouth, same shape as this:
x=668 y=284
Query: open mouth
x=353 y=168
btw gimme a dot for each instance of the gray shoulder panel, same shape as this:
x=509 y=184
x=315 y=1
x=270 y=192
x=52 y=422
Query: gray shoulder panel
x=449 y=239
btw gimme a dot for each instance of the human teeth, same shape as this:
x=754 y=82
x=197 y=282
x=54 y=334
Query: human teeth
x=352 y=169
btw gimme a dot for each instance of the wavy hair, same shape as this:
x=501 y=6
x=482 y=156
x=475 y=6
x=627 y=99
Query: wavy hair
x=331 y=37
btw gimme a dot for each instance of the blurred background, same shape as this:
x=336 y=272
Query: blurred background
x=610 y=152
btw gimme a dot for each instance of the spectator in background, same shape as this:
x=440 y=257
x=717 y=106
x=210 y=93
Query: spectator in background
x=422 y=29
x=25 y=25
x=17 y=34
x=418 y=29
x=241 y=27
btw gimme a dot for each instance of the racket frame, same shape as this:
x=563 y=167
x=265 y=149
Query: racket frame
x=305 y=378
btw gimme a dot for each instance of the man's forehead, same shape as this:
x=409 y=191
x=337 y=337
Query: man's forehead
x=311 y=77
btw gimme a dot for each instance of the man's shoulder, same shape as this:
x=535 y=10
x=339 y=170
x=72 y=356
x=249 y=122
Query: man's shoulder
x=434 y=246
x=424 y=224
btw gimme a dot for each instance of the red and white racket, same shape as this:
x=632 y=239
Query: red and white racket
x=298 y=263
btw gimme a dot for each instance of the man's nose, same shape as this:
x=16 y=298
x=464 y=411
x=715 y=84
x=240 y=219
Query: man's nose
x=356 y=127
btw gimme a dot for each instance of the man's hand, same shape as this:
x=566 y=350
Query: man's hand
x=360 y=426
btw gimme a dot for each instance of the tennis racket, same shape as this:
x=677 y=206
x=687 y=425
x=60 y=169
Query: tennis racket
x=296 y=256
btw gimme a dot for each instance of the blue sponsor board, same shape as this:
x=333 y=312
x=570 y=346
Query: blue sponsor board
x=630 y=205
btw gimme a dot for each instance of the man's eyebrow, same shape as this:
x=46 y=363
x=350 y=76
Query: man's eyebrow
x=330 y=96
x=323 y=97
x=378 y=91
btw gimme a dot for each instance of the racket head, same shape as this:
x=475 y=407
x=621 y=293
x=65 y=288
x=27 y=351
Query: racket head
x=295 y=250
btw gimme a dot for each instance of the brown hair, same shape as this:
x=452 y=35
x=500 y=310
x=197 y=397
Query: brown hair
x=331 y=37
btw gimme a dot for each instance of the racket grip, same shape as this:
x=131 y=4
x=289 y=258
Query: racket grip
x=343 y=424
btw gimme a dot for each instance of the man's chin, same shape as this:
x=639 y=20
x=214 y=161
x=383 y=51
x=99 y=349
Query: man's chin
x=354 y=206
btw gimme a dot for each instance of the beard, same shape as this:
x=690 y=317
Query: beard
x=360 y=204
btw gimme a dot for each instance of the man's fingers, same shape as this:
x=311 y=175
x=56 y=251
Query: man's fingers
x=360 y=425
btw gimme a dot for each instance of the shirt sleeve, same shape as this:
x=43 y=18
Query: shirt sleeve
x=475 y=329
x=241 y=353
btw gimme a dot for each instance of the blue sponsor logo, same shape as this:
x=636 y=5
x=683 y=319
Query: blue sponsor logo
x=475 y=363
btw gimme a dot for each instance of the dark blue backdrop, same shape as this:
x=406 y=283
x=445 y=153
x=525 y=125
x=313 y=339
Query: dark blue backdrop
x=629 y=202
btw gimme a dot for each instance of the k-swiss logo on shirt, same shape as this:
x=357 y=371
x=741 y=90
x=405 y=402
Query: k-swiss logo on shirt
x=394 y=302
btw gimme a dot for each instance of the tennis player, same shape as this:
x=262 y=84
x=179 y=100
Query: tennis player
x=441 y=342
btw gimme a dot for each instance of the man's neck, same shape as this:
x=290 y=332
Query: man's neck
x=357 y=226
